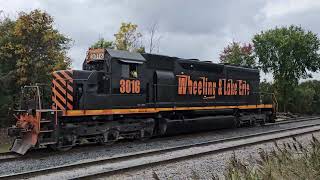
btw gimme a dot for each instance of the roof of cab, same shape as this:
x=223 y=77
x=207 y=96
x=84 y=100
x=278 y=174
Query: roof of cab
x=125 y=55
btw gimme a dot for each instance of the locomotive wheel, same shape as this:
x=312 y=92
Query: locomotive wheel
x=236 y=123
x=145 y=135
x=109 y=137
x=272 y=119
x=161 y=127
x=64 y=144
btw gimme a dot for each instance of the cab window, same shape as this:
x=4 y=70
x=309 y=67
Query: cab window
x=129 y=71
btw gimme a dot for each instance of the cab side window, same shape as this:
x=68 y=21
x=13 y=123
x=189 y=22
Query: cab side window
x=125 y=71
x=129 y=71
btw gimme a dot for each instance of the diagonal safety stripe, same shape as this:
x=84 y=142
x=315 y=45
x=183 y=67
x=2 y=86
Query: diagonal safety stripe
x=62 y=99
x=57 y=103
x=70 y=107
x=62 y=89
x=66 y=76
x=64 y=84
x=70 y=72
x=63 y=75
x=62 y=80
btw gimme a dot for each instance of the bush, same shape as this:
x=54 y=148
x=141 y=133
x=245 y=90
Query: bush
x=293 y=161
x=303 y=99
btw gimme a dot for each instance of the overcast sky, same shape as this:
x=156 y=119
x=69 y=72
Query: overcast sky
x=189 y=29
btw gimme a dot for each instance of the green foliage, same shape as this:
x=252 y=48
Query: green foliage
x=302 y=100
x=289 y=53
x=30 y=49
x=40 y=49
x=102 y=43
x=238 y=55
x=306 y=98
x=128 y=38
x=266 y=88
x=291 y=161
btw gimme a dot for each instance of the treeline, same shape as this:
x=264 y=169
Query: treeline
x=31 y=48
x=303 y=99
x=289 y=54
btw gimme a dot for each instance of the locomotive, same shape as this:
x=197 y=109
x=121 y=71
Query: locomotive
x=121 y=94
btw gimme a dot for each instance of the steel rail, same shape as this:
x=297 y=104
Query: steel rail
x=159 y=152
x=10 y=156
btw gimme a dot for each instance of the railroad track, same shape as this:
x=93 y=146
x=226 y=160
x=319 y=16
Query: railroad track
x=91 y=169
x=294 y=120
x=9 y=156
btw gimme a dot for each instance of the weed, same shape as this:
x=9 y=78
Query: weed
x=290 y=161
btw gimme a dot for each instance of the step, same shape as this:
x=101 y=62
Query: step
x=46 y=131
x=47 y=143
x=45 y=121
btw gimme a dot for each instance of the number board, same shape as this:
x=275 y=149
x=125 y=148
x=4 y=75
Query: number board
x=95 y=54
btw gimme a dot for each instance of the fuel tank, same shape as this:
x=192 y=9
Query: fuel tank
x=200 y=124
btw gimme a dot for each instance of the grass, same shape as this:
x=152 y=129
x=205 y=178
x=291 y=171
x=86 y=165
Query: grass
x=4 y=148
x=292 y=161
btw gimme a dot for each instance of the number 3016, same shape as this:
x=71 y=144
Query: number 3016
x=129 y=86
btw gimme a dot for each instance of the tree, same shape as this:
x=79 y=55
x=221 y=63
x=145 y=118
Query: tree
x=288 y=53
x=39 y=47
x=238 y=55
x=265 y=89
x=102 y=43
x=308 y=97
x=7 y=54
x=301 y=100
x=154 y=37
x=128 y=38
x=30 y=49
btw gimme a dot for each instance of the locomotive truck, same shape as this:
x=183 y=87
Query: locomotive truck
x=121 y=94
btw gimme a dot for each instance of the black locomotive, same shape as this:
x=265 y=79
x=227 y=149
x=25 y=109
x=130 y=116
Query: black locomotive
x=121 y=94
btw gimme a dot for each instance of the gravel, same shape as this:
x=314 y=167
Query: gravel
x=210 y=166
x=95 y=152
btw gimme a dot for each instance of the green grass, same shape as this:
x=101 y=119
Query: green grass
x=4 y=148
x=292 y=161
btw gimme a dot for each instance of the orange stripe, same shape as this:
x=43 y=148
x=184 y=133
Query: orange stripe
x=66 y=76
x=156 y=110
x=59 y=95
x=62 y=90
x=57 y=103
x=62 y=80
x=62 y=98
x=64 y=83
x=70 y=107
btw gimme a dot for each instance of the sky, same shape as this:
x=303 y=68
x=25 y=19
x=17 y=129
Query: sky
x=188 y=29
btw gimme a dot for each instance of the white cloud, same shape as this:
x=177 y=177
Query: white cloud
x=189 y=29
x=276 y=8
